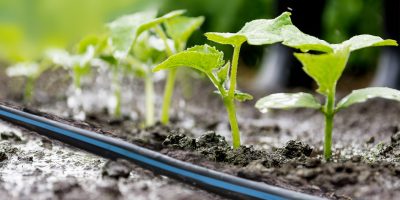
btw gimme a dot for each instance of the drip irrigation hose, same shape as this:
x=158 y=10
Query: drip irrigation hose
x=112 y=148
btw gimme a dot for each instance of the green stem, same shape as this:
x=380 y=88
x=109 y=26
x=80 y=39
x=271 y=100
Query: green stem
x=160 y=32
x=168 y=92
x=230 y=107
x=117 y=93
x=29 y=87
x=76 y=78
x=149 y=90
x=232 y=79
x=329 y=115
x=169 y=86
x=229 y=100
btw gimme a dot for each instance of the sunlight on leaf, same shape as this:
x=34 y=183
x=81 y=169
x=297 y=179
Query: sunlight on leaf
x=363 y=41
x=256 y=32
x=287 y=101
x=362 y=95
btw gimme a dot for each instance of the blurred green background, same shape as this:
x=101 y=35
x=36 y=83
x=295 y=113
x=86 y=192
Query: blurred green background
x=27 y=27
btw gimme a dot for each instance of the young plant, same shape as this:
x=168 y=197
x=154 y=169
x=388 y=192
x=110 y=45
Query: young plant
x=78 y=64
x=31 y=71
x=179 y=29
x=326 y=69
x=143 y=52
x=147 y=51
x=210 y=61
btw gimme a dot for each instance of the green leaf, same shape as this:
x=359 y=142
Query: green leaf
x=287 y=101
x=363 y=41
x=124 y=31
x=266 y=31
x=90 y=40
x=111 y=60
x=203 y=58
x=294 y=38
x=157 y=21
x=226 y=38
x=256 y=32
x=223 y=72
x=241 y=96
x=362 y=95
x=181 y=28
x=325 y=69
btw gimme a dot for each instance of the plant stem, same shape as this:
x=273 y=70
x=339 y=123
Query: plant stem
x=169 y=86
x=229 y=101
x=233 y=75
x=29 y=87
x=230 y=107
x=117 y=93
x=168 y=92
x=329 y=115
x=160 y=32
x=76 y=78
x=149 y=90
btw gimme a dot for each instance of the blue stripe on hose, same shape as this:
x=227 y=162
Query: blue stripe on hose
x=149 y=161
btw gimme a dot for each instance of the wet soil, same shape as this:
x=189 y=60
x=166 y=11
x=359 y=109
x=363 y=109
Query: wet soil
x=280 y=148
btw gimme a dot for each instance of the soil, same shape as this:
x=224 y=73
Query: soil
x=281 y=148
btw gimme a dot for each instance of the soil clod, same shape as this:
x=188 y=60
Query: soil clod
x=295 y=149
x=10 y=136
x=116 y=169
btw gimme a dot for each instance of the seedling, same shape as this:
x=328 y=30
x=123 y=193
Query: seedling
x=31 y=71
x=78 y=64
x=326 y=69
x=210 y=61
x=179 y=29
x=141 y=41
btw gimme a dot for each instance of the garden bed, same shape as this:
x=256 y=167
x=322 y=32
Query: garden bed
x=282 y=148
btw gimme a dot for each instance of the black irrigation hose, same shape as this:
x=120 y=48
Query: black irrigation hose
x=220 y=183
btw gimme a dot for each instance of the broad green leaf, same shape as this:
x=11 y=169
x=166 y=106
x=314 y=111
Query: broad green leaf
x=223 y=72
x=27 y=69
x=124 y=30
x=325 y=69
x=266 y=31
x=363 y=41
x=294 y=38
x=157 y=21
x=256 y=32
x=362 y=95
x=203 y=58
x=287 y=101
x=181 y=28
x=241 y=96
